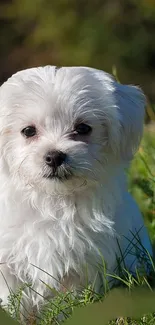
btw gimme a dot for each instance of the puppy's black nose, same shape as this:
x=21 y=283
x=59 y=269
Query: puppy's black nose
x=55 y=158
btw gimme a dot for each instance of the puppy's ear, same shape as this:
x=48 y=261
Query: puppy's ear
x=131 y=110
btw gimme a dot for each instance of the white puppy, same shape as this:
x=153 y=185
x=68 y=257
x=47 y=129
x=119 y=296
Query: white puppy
x=66 y=136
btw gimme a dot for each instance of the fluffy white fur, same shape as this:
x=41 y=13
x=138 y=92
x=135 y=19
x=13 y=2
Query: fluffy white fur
x=60 y=226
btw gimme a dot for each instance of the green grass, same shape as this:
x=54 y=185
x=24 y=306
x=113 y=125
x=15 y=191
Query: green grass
x=142 y=186
x=142 y=180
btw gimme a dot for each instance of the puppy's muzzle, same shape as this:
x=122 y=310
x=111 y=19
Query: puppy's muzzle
x=56 y=166
x=54 y=159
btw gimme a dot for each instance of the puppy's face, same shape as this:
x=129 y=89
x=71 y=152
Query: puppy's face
x=63 y=129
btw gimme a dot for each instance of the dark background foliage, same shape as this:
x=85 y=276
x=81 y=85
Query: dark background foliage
x=98 y=33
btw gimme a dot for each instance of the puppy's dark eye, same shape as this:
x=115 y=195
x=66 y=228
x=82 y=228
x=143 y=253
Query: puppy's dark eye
x=29 y=131
x=83 y=129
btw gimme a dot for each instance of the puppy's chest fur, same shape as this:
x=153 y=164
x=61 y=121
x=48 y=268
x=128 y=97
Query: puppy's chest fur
x=59 y=240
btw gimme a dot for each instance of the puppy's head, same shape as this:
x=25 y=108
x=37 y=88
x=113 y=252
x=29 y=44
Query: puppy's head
x=63 y=128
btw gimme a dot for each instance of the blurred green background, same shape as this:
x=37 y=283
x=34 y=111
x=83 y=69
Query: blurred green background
x=98 y=33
